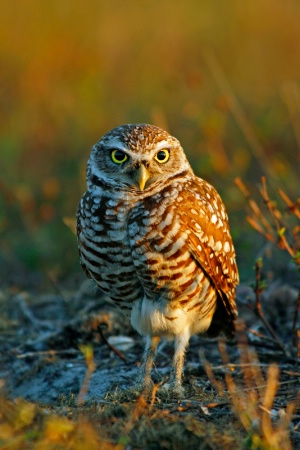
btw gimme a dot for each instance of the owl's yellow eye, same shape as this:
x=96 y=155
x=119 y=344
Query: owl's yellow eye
x=118 y=156
x=162 y=156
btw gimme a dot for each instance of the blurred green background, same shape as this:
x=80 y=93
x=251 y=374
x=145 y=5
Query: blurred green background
x=222 y=76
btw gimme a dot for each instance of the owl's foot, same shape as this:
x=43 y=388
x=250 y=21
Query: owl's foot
x=144 y=383
x=144 y=386
x=174 y=389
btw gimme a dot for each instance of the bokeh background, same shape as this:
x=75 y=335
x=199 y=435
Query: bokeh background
x=222 y=76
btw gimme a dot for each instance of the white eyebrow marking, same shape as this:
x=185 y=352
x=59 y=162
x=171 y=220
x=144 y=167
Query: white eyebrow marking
x=162 y=144
x=159 y=146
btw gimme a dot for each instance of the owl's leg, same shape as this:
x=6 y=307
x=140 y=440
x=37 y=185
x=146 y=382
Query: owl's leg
x=145 y=381
x=181 y=342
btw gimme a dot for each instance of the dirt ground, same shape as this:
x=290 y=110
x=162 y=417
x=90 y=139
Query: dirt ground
x=49 y=328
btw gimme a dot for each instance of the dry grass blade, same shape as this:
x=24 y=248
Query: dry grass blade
x=253 y=399
x=88 y=352
x=284 y=423
x=269 y=396
x=239 y=402
x=140 y=408
x=153 y=394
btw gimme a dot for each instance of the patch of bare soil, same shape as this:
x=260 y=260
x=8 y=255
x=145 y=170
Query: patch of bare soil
x=54 y=357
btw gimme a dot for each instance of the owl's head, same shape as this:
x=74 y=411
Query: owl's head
x=135 y=156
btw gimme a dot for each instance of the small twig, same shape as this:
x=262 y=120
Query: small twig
x=263 y=386
x=258 y=308
x=293 y=207
x=70 y=351
x=291 y=374
x=257 y=227
x=233 y=366
x=216 y=404
x=276 y=216
x=267 y=230
x=113 y=349
x=262 y=336
x=270 y=204
x=21 y=299
x=75 y=322
x=296 y=341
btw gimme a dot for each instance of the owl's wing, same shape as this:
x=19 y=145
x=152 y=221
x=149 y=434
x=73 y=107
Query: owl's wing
x=203 y=214
x=80 y=224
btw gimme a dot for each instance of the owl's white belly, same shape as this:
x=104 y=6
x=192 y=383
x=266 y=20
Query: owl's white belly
x=160 y=319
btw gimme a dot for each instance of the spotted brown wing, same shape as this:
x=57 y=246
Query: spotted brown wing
x=203 y=213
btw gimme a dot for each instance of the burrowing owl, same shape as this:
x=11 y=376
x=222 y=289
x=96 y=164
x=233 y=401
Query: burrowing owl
x=155 y=239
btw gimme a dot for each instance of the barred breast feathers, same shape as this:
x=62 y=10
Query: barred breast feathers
x=194 y=230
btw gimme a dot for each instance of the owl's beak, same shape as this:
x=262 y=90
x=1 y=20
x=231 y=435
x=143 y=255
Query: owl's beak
x=141 y=176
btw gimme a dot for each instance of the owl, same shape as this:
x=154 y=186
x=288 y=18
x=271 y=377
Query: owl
x=155 y=238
